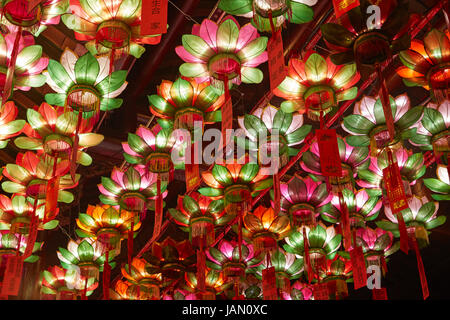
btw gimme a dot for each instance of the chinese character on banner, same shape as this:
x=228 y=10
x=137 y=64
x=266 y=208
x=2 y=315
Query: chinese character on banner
x=277 y=67
x=330 y=161
x=13 y=276
x=394 y=188
x=154 y=17
x=342 y=6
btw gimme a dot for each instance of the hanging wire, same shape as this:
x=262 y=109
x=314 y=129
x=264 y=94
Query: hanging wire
x=188 y=17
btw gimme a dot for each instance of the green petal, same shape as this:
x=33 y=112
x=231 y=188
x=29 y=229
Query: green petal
x=197 y=46
x=85 y=251
x=251 y=75
x=248 y=172
x=410 y=118
x=59 y=75
x=210 y=192
x=27 y=57
x=109 y=104
x=194 y=70
x=316 y=68
x=182 y=93
x=28 y=143
x=301 y=13
x=227 y=36
x=190 y=205
x=236 y=8
x=253 y=49
x=56 y=99
x=112 y=83
x=358 y=141
x=358 y=124
x=433 y=121
x=222 y=175
x=86 y=69
x=436 y=222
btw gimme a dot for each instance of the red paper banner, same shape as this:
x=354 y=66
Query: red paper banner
x=13 y=276
x=330 y=161
x=154 y=17
x=421 y=269
x=346 y=233
x=201 y=267
x=51 y=198
x=342 y=6
x=269 y=284
x=404 y=246
x=276 y=193
x=32 y=235
x=306 y=257
x=379 y=294
x=277 y=66
x=394 y=188
x=227 y=119
x=359 y=267
x=192 y=172
x=320 y=291
x=106 y=276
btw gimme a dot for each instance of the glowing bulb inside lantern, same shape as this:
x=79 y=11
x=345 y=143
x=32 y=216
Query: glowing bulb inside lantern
x=276 y=7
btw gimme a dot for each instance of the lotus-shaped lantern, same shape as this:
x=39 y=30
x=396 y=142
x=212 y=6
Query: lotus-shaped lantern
x=107 y=224
x=235 y=182
x=214 y=284
x=86 y=83
x=171 y=258
x=29 y=63
x=441 y=185
x=52 y=131
x=352 y=160
x=271 y=130
x=9 y=126
x=427 y=63
x=261 y=11
x=65 y=284
x=109 y=26
x=299 y=291
x=411 y=168
x=140 y=275
x=226 y=258
x=432 y=130
x=264 y=228
x=199 y=215
x=223 y=52
x=186 y=101
x=85 y=254
x=304 y=199
x=367 y=125
x=30 y=173
x=420 y=217
x=315 y=85
x=131 y=189
x=34 y=19
x=9 y=242
x=16 y=214
x=361 y=207
x=354 y=39
x=155 y=148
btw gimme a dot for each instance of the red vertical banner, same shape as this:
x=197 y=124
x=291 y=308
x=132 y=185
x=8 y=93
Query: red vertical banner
x=359 y=267
x=276 y=193
x=201 y=268
x=13 y=276
x=227 y=116
x=158 y=210
x=51 y=198
x=404 y=246
x=385 y=102
x=277 y=66
x=130 y=242
x=345 y=220
x=394 y=187
x=379 y=294
x=421 y=269
x=269 y=284
x=8 y=86
x=154 y=17
x=192 y=173
x=32 y=235
x=306 y=257
x=106 y=276
x=342 y=6
x=330 y=161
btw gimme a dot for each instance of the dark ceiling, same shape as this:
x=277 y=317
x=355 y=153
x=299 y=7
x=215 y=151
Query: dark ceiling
x=161 y=62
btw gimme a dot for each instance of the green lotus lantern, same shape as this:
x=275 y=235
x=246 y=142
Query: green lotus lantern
x=440 y=186
x=315 y=85
x=140 y=275
x=420 y=217
x=9 y=126
x=85 y=255
x=271 y=130
x=262 y=11
x=367 y=125
x=10 y=242
x=86 y=84
x=362 y=208
x=185 y=102
x=214 y=284
x=235 y=182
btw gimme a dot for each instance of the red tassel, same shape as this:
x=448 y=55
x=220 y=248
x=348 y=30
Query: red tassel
x=384 y=265
x=8 y=87
x=106 y=276
x=403 y=233
x=420 y=267
x=130 y=243
x=83 y=293
x=201 y=267
x=192 y=173
x=269 y=284
x=277 y=193
x=51 y=198
x=448 y=163
x=73 y=157
x=359 y=267
x=345 y=222
x=386 y=103
x=32 y=234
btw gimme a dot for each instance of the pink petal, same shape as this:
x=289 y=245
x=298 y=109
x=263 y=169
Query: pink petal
x=186 y=56
x=226 y=248
x=128 y=150
x=263 y=57
x=117 y=176
x=147 y=135
x=208 y=32
x=105 y=192
x=247 y=34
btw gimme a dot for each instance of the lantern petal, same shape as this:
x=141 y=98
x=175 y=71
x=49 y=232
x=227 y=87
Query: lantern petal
x=251 y=75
